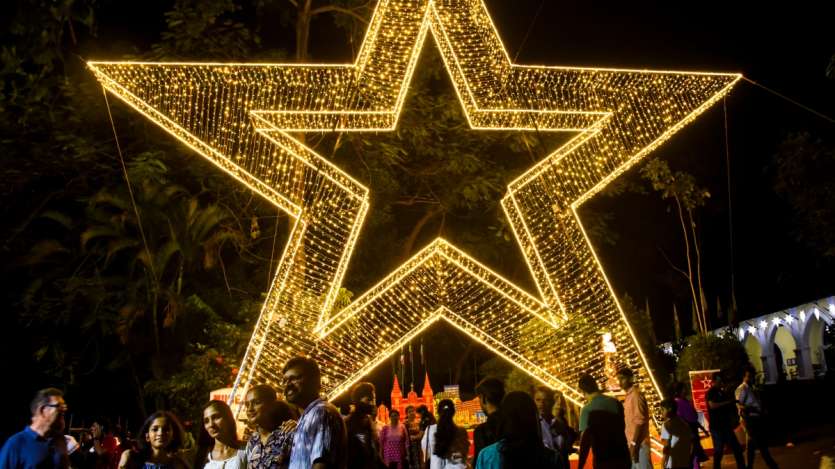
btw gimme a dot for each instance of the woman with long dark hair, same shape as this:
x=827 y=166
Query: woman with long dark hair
x=520 y=444
x=444 y=443
x=218 y=446
x=159 y=441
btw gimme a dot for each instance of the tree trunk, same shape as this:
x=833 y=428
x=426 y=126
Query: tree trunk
x=409 y=244
x=702 y=297
x=689 y=264
x=463 y=361
x=303 y=29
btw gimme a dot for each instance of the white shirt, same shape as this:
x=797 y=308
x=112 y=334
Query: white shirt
x=455 y=461
x=746 y=396
x=238 y=461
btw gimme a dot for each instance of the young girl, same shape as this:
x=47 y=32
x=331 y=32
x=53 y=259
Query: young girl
x=219 y=447
x=676 y=438
x=159 y=440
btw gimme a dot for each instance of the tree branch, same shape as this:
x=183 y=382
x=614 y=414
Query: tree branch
x=681 y=271
x=337 y=9
x=416 y=200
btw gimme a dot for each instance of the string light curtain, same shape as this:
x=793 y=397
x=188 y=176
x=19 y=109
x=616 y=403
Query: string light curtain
x=240 y=116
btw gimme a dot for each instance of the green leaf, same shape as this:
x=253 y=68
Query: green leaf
x=42 y=250
x=116 y=246
x=97 y=232
x=58 y=217
x=165 y=254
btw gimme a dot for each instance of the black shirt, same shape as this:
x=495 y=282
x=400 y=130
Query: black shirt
x=724 y=416
x=608 y=431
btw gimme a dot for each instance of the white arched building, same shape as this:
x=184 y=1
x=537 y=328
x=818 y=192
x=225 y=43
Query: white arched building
x=788 y=342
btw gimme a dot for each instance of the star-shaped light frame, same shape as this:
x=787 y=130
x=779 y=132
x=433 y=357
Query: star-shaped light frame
x=240 y=115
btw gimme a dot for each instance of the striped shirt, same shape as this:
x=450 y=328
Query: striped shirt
x=319 y=438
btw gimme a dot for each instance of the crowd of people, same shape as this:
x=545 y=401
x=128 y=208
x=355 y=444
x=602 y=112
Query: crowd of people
x=303 y=431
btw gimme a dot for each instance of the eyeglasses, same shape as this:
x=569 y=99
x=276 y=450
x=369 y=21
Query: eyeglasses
x=60 y=407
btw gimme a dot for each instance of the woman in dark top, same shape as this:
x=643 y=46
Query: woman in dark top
x=159 y=441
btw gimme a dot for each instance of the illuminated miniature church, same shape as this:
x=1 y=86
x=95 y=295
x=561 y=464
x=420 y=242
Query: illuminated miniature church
x=426 y=398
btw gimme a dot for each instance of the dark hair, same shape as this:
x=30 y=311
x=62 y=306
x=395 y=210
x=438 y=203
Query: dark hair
x=549 y=393
x=42 y=398
x=144 y=451
x=678 y=389
x=587 y=384
x=205 y=443
x=394 y=412
x=426 y=417
x=626 y=371
x=308 y=366
x=715 y=375
x=749 y=369
x=264 y=391
x=519 y=429
x=491 y=390
x=670 y=406
x=104 y=423
x=409 y=407
x=282 y=411
x=447 y=430
x=362 y=389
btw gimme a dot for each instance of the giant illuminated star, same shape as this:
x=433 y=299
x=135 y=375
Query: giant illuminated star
x=239 y=116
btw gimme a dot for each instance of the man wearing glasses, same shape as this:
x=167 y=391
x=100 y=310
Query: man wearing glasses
x=41 y=444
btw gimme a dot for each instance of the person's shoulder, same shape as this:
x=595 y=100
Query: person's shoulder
x=324 y=409
x=330 y=408
x=493 y=447
x=125 y=457
x=18 y=438
x=13 y=444
x=609 y=403
x=489 y=455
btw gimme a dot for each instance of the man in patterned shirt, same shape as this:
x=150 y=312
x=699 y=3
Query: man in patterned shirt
x=274 y=421
x=319 y=441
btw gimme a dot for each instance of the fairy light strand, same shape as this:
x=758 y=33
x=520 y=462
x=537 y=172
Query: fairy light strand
x=240 y=117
